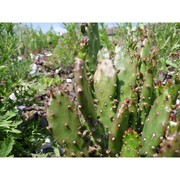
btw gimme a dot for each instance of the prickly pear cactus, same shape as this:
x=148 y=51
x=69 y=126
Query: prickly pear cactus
x=105 y=84
x=155 y=124
x=85 y=103
x=122 y=109
x=127 y=68
x=64 y=122
x=91 y=31
x=120 y=125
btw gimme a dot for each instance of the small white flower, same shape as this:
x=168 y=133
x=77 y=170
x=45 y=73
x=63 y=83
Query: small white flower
x=34 y=69
x=68 y=80
x=49 y=54
x=47 y=140
x=13 y=97
x=172 y=123
x=178 y=101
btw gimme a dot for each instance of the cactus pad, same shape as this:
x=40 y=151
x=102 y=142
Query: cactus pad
x=64 y=121
x=105 y=79
x=131 y=144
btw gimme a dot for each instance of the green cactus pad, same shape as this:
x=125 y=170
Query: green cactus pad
x=145 y=53
x=85 y=102
x=127 y=74
x=155 y=124
x=146 y=97
x=105 y=79
x=65 y=124
x=131 y=144
x=120 y=125
x=146 y=49
x=94 y=46
x=84 y=97
x=133 y=110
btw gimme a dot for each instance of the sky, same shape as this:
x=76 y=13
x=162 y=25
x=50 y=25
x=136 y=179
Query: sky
x=58 y=27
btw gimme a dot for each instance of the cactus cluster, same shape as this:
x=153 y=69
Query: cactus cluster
x=122 y=109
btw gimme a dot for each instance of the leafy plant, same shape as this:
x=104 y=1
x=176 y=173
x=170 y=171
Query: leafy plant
x=8 y=43
x=6 y=147
x=104 y=39
x=166 y=36
x=34 y=41
x=67 y=48
x=17 y=136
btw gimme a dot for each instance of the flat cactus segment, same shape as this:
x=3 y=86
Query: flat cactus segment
x=105 y=83
x=145 y=53
x=94 y=45
x=84 y=97
x=146 y=44
x=120 y=125
x=171 y=147
x=85 y=102
x=146 y=97
x=133 y=109
x=155 y=124
x=131 y=144
x=64 y=121
x=146 y=48
x=127 y=74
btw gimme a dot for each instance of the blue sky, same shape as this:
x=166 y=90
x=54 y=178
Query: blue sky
x=58 y=27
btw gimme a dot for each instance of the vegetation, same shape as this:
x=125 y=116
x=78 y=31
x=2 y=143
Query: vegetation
x=67 y=48
x=126 y=90
x=18 y=137
x=35 y=41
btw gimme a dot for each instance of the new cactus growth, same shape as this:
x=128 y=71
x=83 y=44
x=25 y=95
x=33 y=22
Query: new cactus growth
x=131 y=144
